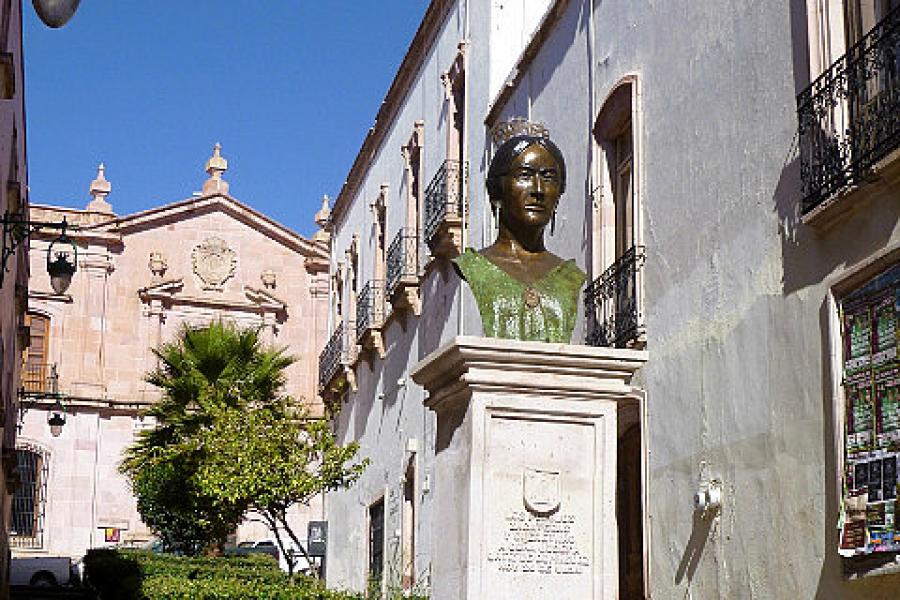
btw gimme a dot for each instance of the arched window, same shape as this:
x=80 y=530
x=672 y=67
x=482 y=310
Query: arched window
x=29 y=500
x=614 y=298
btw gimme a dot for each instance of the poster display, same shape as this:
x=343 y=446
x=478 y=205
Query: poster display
x=872 y=417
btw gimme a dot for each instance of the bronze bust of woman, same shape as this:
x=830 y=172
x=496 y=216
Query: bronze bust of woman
x=523 y=291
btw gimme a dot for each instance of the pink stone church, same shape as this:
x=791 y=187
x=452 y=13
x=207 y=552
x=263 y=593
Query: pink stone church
x=140 y=278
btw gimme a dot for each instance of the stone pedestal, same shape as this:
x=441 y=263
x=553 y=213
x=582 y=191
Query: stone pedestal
x=525 y=467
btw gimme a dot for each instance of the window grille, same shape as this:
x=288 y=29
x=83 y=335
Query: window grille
x=29 y=500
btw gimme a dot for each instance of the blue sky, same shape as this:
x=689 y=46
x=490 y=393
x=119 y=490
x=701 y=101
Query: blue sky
x=148 y=87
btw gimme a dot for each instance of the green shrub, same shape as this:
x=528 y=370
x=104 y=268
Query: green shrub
x=141 y=575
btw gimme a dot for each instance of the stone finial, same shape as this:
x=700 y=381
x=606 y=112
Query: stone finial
x=324 y=213
x=216 y=166
x=100 y=189
x=323 y=236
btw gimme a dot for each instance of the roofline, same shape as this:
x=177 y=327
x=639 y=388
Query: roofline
x=117 y=224
x=412 y=63
x=546 y=27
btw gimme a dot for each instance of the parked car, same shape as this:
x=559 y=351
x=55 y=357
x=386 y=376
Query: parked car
x=42 y=571
x=261 y=547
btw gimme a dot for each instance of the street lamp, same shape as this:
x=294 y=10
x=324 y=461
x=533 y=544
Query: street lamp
x=62 y=255
x=56 y=418
x=55 y=13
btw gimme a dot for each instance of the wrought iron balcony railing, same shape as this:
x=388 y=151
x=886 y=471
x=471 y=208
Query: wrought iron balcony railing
x=443 y=198
x=612 y=303
x=38 y=379
x=369 y=307
x=330 y=358
x=402 y=259
x=849 y=117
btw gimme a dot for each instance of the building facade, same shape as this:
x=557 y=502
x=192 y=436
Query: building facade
x=394 y=225
x=14 y=270
x=140 y=279
x=732 y=194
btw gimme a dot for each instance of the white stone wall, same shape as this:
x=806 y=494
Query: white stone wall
x=740 y=324
x=739 y=309
x=386 y=414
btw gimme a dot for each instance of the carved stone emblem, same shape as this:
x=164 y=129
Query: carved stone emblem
x=541 y=491
x=158 y=264
x=268 y=278
x=214 y=262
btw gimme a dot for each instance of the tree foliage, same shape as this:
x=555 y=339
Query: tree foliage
x=226 y=439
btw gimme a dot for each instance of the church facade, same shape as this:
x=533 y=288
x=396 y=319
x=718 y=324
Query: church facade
x=141 y=278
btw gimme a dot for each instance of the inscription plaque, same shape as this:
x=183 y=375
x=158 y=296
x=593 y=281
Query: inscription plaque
x=544 y=545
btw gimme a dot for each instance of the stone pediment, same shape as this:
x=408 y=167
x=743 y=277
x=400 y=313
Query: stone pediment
x=168 y=294
x=166 y=289
x=194 y=207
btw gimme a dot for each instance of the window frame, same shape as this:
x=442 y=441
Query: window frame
x=36 y=540
x=840 y=287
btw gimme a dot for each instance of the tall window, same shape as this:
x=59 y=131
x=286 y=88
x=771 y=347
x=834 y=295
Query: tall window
x=376 y=541
x=860 y=16
x=27 y=527
x=412 y=155
x=408 y=574
x=35 y=376
x=454 y=81
x=379 y=210
x=614 y=298
x=623 y=189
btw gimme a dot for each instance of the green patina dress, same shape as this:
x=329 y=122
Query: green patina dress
x=541 y=312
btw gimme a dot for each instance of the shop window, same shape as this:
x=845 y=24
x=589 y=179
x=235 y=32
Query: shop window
x=871 y=382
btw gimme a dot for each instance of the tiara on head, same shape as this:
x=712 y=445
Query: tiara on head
x=501 y=132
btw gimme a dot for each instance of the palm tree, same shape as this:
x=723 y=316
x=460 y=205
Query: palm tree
x=203 y=372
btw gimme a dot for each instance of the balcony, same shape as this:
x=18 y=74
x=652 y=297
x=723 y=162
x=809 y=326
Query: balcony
x=38 y=379
x=444 y=209
x=370 y=316
x=612 y=303
x=403 y=272
x=330 y=358
x=849 y=117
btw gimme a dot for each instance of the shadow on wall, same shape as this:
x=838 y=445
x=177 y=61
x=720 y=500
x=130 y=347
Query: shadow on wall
x=693 y=551
x=438 y=295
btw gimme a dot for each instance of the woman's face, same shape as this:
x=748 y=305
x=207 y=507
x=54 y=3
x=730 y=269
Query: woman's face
x=531 y=189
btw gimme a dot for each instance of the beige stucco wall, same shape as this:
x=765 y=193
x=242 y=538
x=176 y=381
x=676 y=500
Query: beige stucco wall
x=103 y=329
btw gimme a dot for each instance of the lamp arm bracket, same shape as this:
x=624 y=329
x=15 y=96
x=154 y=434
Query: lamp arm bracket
x=17 y=228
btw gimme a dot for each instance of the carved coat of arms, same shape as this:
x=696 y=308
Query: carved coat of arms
x=214 y=262
x=541 y=491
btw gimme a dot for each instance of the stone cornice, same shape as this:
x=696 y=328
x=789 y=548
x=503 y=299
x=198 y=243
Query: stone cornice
x=478 y=363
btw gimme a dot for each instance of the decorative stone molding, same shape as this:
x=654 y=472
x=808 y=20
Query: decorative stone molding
x=214 y=263
x=449 y=77
x=158 y=264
